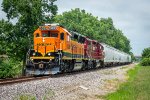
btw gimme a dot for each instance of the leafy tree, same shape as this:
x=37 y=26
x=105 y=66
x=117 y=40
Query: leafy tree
x=145 y=62
x=16 y=39
x=102 y=30
x=132 y=56
x=5 y=34
x=30 y=14
x=146 y=53
x=146 y=57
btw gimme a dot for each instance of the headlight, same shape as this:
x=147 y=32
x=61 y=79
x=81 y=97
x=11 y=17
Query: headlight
x=49 y=54
x=33 y=54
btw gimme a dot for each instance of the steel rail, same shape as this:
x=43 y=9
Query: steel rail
x=10 y=81
x=20 y=80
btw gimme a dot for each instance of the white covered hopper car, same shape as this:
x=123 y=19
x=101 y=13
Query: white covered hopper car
x=114 y=56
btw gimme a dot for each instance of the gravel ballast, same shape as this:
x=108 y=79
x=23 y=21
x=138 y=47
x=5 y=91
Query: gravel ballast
x=81 y=86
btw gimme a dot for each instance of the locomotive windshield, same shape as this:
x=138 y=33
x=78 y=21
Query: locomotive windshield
x=49 y=34
x=45 y=34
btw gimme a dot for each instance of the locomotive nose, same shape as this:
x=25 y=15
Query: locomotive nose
x=46 y=45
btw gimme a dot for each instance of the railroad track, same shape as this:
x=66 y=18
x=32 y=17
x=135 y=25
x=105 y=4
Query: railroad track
x=32 y=78
x=21 y=79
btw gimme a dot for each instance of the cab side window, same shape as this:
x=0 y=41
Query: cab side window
x=62 y=36
x=37 y=35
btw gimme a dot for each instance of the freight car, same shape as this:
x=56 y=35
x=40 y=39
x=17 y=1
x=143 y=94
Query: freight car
x=57 y=50
x=114 y=56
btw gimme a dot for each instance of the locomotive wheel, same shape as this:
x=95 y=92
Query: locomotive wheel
x=62 y=69
x=83 y=65
x=65 y=66
x=102 y=64
x=71 y=66
x=90 y=64
x=94 y=64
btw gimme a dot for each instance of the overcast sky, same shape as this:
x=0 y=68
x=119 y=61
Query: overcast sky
x=130 y=16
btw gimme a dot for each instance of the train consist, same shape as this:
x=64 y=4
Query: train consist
x=57 y=50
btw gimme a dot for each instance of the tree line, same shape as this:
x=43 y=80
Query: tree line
x=102 y=30
x=16 y=39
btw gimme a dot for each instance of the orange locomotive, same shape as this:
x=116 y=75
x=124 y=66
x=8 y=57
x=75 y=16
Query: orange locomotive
x=58 y=50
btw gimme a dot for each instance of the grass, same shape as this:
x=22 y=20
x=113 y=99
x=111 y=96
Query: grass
x=109 y=72
x=25 y=97
x=136 y=88
x=110 y=84
x=49 y=94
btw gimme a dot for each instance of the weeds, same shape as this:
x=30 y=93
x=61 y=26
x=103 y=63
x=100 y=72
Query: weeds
x=9 y=68
x=25 y=97
x=48 y=94
x=136 y=88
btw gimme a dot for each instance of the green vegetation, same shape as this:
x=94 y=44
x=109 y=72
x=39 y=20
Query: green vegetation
x=146 y=53
x=102 y=29
x=146 y=57
x=25 y=97
x=29 y=14
x=48 y=94
x=145 y=62
x=9 y=68
x=16 y=39
x=136 y=88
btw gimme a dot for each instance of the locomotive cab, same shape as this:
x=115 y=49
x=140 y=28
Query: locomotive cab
x=49 y=40
x=46 y=42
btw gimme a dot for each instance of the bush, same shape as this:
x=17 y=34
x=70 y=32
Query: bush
x=9 y=68
x=145 y=62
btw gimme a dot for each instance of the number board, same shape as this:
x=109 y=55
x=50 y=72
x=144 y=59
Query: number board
x=47 y=28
